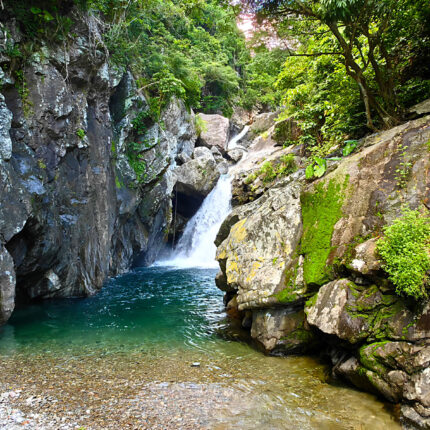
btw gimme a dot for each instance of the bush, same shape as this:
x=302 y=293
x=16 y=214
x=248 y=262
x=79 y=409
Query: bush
x=404 y=251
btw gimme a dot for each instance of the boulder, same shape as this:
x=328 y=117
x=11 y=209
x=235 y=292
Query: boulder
x=215 y=131
x=203 y=152
x=258 y=250
x=263 y=122
x=282 y=331
x=198 y=176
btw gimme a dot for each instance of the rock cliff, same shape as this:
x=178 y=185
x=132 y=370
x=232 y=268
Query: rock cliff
x=298 y=259
x=87 y=176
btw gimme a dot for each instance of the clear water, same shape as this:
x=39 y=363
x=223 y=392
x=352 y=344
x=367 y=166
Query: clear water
x=138 y=341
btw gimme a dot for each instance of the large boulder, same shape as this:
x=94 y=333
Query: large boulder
x=258 y=254
x=197 y=176
x=215 y=131
x=282 y=331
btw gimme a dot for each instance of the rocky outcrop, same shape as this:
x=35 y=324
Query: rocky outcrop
x=86 y=173
x=215 y=131
x=297 y=243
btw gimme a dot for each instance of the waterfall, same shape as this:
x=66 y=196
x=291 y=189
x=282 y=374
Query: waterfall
x=196 y=247
x=233 y=142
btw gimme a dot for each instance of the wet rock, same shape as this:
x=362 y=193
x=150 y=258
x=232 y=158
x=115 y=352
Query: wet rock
x=282 y=331
x=5 y=124
x=7 y=285
x=236 y=154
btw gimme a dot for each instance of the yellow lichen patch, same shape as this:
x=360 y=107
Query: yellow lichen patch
x=255 y=266
x=221 y=254
x=238 y=231
x=232 y=271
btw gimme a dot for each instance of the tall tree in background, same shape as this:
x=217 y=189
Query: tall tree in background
x=380 y=42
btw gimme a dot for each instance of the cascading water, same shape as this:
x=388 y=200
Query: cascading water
x=196 y=247
x=233 y=142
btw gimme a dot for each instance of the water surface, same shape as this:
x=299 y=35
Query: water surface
x=145 y=352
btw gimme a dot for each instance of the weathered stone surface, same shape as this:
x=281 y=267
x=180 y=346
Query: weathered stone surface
x=421 y=108
x=216 y=131
x=198 y=176
x=263 y=122
x=5 y=124
x=7 y=285
x=203 y=152
x=329 y=312
x=259 y=247
x=73 y=208
x=365 y=260
x=236 y=154
x=282 y=331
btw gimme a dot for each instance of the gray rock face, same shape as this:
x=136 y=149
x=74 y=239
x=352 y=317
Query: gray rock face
x=259 y=247
x=198 y=176
x=281 y=331
x=7 y=285
x=295 y=241
x=73 y=209
x=5 y=122
x=216 y=131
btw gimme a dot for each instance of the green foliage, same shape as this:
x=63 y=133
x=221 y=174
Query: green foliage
x=45 y=19
x=200 y=124
x=404 y=167
x=321 y=210
x=356 y=65
x=349 y=148
x=261 y=73
x=268 y=172
x=404 y=250
x=188 y=49
x=80 y=133
x=317 y=168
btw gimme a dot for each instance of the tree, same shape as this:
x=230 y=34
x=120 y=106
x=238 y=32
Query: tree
x=367 y=36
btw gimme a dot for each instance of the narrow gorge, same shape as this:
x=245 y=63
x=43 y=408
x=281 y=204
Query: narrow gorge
x=207 y=223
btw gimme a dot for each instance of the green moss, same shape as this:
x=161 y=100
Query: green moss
x=312 y=301
x=41 y=164
x=286 y=296
x=368 y=359
x=80 y=133
x=321 y=210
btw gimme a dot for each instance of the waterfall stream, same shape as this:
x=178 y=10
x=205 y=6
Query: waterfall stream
x=233 y=142
x=196 y=247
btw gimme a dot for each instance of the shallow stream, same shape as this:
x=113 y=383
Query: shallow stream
x=145 y=353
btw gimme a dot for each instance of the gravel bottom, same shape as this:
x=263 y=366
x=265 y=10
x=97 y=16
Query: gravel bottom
x=178 y=389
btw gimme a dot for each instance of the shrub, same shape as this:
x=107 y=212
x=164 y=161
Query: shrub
x=404 y=251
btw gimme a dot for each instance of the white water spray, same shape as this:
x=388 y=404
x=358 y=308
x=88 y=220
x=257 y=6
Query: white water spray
x=233 y=142
x=196 y=247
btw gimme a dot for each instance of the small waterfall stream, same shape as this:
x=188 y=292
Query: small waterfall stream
x=233 y=142
x=196 y=247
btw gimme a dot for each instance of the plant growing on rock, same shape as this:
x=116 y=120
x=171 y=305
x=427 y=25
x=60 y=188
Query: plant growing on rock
x=405 y=252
